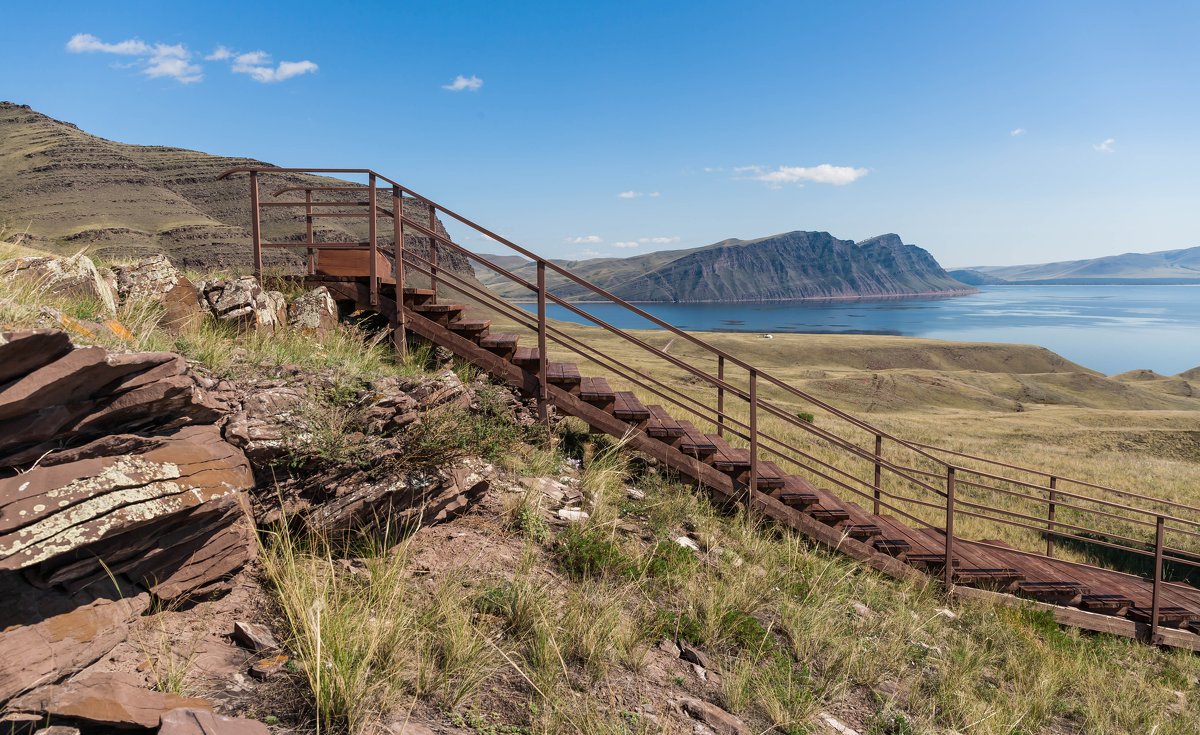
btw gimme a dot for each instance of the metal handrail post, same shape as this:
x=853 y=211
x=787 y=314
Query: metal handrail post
x=878 y=471
x=433 y=252
x=399 y=339
x=308 y=231
x=372 y=233
x=1051 y=509
x=720 y=396
x=255 y=225
x=753 y=437
x=1158 y=573
x=543 y=394
x=948 y=573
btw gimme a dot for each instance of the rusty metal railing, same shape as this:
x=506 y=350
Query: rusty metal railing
x=925 y=484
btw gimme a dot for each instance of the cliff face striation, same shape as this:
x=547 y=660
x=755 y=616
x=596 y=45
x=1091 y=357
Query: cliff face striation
x=793 y=265
x=75 y=190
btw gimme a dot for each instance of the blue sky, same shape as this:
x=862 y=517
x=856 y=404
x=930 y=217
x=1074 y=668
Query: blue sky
x=988 y=133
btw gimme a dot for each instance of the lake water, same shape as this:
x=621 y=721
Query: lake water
x=1107 y=328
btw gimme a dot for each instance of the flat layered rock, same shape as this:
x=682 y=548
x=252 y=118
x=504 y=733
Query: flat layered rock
x=110 y=699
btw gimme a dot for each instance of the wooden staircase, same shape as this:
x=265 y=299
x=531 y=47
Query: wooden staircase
x=794 y=487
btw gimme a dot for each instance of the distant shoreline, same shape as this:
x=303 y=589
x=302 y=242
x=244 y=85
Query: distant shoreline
x=880 y=297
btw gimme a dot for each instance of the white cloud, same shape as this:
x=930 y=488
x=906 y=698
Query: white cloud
x=657 y=240
x=585 y=240
x=712 y=169
x=461 y=83
x=1016 y=132
x=257 y=65
x=821 y=174
x=1106 y=146
x=625 y=244
x=172 y=61
x=220 y=53
x=587 y=254
x=637 y=194
x=85 y=42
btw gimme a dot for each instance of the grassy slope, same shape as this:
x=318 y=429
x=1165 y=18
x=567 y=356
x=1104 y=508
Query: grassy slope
x=532 y=631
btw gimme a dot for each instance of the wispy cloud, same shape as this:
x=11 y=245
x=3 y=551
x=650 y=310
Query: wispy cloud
x=821 y=174
x=637 y=194
x=1108 y=146
x=626 y=244
x=172 y=61
x=464 y=84
x=585 y=240
x=586 y=254
x=657 y=240
x=257 y=65
x=1017 y=132
x=713 y=169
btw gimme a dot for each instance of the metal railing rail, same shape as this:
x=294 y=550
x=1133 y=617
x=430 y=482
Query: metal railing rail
x=943 y=477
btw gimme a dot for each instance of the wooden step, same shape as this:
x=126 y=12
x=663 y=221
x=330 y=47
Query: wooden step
x=829 y=516
x=695 y=443
x=1105 y=604
x=727 y=458
x=987 y=577
x=797 y=499
x=892 y=546
x=443 y=314
x=563 y=374
x=415 y=296
x=930 y=562
x=503 y=345
x=471 y=328
x=527 y=358
x=597 y=392
x=1058 y=593
x=862 y=531
x=1171 y=617
x=628 y=408
x=770 y=476
x=662 y=425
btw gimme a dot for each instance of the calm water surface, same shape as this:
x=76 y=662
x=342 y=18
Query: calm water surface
x=1107 y=328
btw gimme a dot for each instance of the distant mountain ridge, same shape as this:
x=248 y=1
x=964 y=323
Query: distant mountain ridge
x=791 y=265
x=1162 y=267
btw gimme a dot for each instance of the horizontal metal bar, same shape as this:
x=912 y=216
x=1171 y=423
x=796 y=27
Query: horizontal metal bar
x=340 y=214
x=318 y=245
x=314 y=204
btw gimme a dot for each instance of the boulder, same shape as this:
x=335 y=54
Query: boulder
x=720 y=721
x=314 y=312
x=76 y=276
x=111 y=486
x=111 y=699
x=243 y=303
x=195 y=721
x=51 y=392
x=255 y=637
x=156 y=280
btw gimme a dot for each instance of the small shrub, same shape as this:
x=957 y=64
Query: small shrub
x=670 y=560
x=584 y=555
x=806 y=416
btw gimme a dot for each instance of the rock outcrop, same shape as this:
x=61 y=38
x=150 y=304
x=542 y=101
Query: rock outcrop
x=156 y=280
x=116 y=489
x=314 y=312
x=245 y=304
x=75 y=276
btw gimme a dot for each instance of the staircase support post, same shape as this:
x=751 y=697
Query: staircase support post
x=878 y=471
x=1155 y=597
x=399 y=321
x=308 y=232
x=433 y=249
x=1050 y=510
x=372 y=233
x=255 y=226
x=543 y=396
x=721 y=396
x=753 y=437
x=948 y=575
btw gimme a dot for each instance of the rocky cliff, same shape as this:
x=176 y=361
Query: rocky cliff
x=793 y=265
